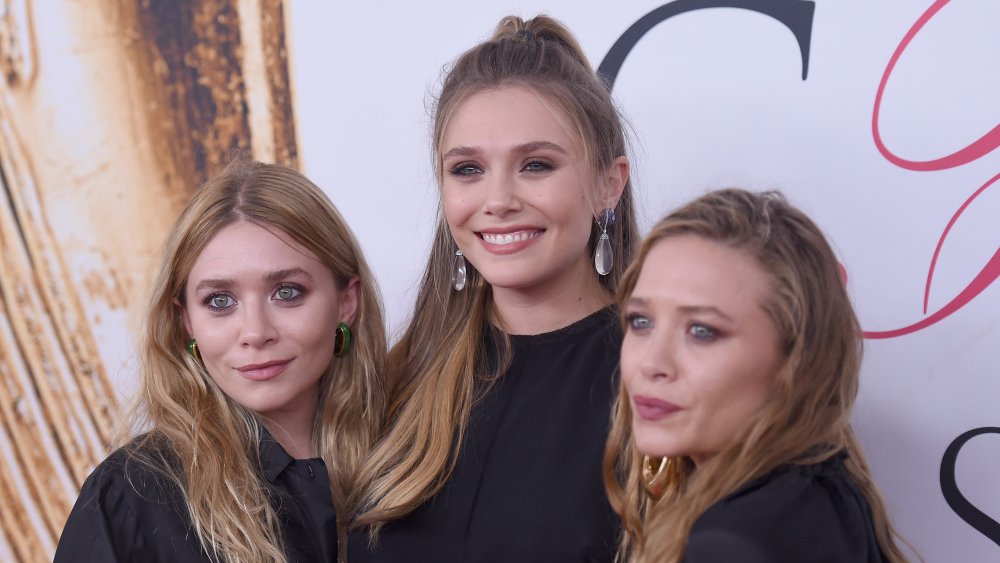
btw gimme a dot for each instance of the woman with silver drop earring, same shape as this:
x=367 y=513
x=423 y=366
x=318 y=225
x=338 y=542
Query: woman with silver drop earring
x=503 y=379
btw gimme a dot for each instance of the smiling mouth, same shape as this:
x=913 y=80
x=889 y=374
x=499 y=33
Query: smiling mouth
x=502 y=239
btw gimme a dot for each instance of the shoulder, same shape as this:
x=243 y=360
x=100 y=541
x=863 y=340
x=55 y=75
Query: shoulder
x=794 y=513
x=138 y=469
x=124 y=493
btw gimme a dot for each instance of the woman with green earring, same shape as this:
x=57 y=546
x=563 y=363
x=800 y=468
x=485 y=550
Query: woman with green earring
x=260 y=388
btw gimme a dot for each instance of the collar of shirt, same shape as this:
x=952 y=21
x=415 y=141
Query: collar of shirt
x=273 y=458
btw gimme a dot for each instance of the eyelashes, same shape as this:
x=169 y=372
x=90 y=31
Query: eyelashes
x=465 y=169
x=530 y=166
x=637 y=322
x=700 y=332
x=218 y=302
x=223 y=301
x=537 y=165
x=703 y=333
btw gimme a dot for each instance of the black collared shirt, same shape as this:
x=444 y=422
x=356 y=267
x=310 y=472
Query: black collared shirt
x=795 y=513
x=129 y=512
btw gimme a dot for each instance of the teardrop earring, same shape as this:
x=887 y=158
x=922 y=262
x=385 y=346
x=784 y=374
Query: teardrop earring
x=604 y=258
x=458 y=276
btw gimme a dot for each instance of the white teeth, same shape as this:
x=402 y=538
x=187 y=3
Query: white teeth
x=510 y=238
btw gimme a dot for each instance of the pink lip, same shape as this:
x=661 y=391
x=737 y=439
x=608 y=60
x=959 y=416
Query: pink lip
x=653 y=409
x=264 y=371
x=509 y=247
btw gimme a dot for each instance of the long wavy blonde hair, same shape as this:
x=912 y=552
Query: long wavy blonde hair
x=808 y=418
x=433 y=365
x=194 y=428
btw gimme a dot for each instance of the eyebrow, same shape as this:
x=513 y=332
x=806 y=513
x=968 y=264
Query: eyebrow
x=701 y=309
x=271 y=277
x=686 y=309
x=468 y=150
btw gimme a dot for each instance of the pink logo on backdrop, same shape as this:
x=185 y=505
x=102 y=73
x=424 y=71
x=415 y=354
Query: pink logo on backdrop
x=980 y=147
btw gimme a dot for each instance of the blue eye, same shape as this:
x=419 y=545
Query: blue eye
x=465 y=169
x=537 y=166
x=638 y=322
x=219 y=301
x=703 y=332
x=288 y=293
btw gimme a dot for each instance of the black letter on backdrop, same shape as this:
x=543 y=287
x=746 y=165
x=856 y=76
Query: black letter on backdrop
x=965 y=509
x=797 y=15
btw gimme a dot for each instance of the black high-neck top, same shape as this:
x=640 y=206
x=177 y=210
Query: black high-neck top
x=527 y=485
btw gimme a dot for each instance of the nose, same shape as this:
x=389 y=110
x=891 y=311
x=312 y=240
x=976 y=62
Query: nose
x=258 y=328
x=501 y=195
x=659 y=359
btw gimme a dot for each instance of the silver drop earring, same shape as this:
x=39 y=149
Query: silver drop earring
x=458 y=276
x=604 y=258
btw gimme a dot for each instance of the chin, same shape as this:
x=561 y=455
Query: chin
x=655 y=446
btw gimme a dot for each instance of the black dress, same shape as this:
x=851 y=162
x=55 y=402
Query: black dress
x=527 y=485
x=811 y=513
x=129 y=512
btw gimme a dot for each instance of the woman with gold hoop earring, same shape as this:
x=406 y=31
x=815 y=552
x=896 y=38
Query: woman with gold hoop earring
x=731 y=438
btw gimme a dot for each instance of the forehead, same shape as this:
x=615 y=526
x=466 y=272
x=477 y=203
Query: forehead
x=244 y=248
x=691 y=270
x=509 y=115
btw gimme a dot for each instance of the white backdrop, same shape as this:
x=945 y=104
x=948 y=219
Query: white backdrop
x=716 y=98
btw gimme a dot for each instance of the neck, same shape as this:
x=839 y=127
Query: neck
x=552 y=306
x=293 y=430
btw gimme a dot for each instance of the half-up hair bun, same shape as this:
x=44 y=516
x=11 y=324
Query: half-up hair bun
x=539 y=28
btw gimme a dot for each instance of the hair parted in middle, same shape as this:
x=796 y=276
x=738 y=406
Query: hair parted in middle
x=808 y=418
x=434 y=364
x=204 y=441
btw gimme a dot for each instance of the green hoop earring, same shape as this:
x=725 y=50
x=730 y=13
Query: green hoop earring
x=192 y=349
x=342 y=341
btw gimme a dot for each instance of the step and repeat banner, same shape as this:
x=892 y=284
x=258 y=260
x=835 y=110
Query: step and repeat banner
x=880 y=119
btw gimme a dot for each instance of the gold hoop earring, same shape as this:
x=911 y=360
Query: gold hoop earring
x=342 y=340
x=658 y=475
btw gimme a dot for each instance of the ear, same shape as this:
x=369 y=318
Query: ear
x=612 y=184
x=184 y=317
x=349 y=301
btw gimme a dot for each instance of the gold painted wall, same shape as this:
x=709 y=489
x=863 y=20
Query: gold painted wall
x=111 y=113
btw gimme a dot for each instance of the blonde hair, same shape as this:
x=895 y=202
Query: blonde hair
x=195 y=428
x=433 y=366
x=807 y=420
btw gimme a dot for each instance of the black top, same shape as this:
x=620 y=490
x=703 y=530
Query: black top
x=130 y=512
x=798 y=513
x=527 y=485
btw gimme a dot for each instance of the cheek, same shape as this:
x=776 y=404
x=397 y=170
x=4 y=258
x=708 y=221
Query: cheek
x=210 y=332
x=214 y=344
x=313 y=330
x=739 y=398
x=574 y=206
x=457 y=207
